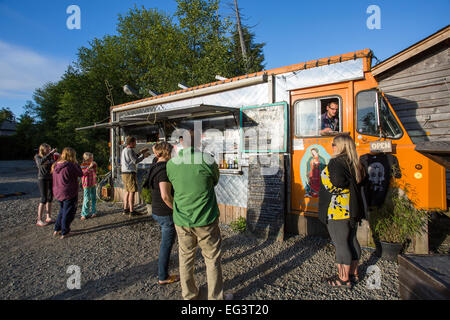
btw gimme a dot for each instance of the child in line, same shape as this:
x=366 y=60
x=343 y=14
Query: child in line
x=66 y=172
x=89 y=182
x=44 y=161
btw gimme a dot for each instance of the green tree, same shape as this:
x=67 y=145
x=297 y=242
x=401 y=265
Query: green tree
x=205 y=44
x=151 y=55
x=255 y=55
x=6 y=114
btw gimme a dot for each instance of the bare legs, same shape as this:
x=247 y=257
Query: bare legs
x=48 y=207
x=128 y=201
x=354 y=269
x=40 y=212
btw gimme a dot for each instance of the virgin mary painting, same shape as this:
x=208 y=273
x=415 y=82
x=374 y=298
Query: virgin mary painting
x=315 y=165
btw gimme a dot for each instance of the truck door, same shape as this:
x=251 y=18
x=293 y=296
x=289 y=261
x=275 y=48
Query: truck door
x=311 y=149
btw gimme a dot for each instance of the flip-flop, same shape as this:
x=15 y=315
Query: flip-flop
x=49 y=221
x=41 y=224
x=171 y=279
x=336 y=282
x=354 y=278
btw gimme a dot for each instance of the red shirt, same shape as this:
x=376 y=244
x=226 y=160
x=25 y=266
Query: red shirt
x=89 y=178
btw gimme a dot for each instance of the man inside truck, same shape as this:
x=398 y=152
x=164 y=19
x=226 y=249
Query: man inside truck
x=330 y=119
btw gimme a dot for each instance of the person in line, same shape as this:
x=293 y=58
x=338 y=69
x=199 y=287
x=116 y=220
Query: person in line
x=129 y=159
x=330 y=119
x=66 y=172
x=44 y=161
x=341 y=207
x=179 y=145
x=89 y=182
x=162 y=206
x=194 y=175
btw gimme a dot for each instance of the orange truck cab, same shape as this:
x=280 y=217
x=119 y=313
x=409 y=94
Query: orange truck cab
x=365 y=114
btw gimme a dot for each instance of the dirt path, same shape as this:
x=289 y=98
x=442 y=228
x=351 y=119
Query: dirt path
x=117 y=257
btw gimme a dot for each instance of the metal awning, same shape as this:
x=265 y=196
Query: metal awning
x=159 y=113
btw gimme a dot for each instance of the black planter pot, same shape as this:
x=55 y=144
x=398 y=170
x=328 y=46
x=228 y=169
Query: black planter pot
x=390 y=251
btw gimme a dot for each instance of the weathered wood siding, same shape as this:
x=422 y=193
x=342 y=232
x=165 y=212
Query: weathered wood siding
x=419 y=91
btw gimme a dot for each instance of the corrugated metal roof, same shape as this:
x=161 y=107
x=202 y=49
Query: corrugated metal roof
x=276 y=71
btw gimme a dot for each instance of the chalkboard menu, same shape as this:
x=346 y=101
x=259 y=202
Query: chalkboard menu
x=264 y=128
x=266 y=196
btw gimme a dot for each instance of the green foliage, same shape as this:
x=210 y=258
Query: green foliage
x=397 y=220
x=6 y=114
x=146 y=195
x=239 y=225
x=255 y=53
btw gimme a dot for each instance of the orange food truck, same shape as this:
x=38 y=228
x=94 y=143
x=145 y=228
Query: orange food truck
x=272 y=119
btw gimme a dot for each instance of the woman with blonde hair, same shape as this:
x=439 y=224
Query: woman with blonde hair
x=66 y=172
x=44 y=161
x=341 y=207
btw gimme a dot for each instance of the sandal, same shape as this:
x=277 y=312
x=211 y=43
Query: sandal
x=41 y=223
x=171 y=279
x=49 y=220
x=336 y=282
x=354 y=278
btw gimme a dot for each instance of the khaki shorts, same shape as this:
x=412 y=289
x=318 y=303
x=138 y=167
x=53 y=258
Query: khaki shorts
x=130 y=182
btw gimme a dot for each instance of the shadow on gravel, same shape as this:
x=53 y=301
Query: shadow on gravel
x=120 y=224
x=96 y=289
x=362 y=269
x=285 y=261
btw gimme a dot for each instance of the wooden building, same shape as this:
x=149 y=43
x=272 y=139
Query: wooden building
x=416 y=82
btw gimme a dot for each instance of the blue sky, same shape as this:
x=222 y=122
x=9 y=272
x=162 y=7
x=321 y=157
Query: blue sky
x=36 y=46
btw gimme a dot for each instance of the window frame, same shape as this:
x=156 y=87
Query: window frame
x=380 y=97
x=341 y=130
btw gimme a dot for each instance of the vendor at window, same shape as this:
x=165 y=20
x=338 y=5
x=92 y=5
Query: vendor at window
x=330 y=119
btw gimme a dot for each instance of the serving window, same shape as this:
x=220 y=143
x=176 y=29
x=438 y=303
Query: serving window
x=312 y=117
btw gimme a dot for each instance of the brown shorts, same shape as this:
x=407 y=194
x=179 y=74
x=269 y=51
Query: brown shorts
x=130 y=182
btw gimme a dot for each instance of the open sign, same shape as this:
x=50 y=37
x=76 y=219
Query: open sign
x=381 y=146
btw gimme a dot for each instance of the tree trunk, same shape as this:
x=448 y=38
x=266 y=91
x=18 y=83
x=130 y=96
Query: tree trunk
x=241 y=36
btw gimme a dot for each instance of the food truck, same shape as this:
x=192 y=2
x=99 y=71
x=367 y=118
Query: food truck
x=264 y=131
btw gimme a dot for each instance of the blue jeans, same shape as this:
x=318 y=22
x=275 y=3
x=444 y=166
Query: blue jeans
x=89 y=198
x=167 y=240
x=66 y=214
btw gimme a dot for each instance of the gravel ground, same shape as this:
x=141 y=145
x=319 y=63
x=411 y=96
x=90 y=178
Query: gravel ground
x=117 y=256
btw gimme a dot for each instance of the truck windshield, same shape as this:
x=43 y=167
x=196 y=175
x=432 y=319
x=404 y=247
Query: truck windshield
x=389 y=124
x=367 y=116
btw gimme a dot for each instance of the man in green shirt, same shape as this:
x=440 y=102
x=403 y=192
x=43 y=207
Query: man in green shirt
x=194 y=175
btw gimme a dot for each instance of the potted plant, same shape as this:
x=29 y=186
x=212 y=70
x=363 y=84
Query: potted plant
x=396 y=222
x=146 y=196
